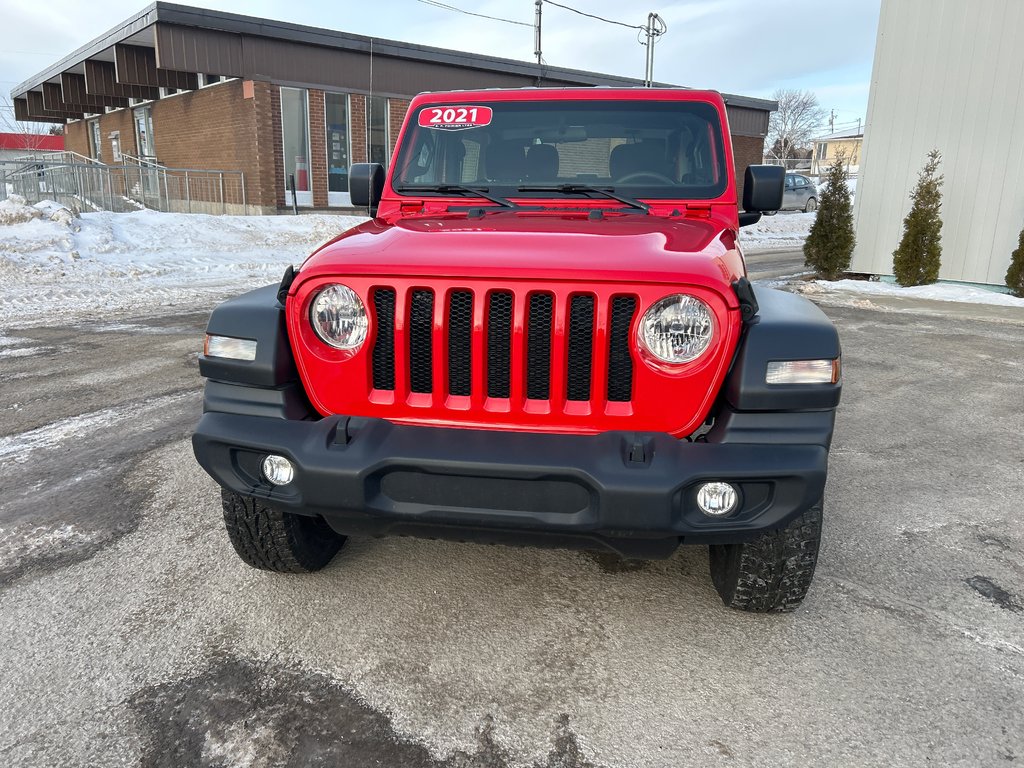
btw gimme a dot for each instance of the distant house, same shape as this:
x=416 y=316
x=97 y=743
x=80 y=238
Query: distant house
x=826 y=148
x=14 y=145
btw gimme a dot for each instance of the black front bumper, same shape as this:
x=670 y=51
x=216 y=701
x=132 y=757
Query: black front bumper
x=632 y=493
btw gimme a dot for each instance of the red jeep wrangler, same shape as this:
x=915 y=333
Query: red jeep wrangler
x=544 y=336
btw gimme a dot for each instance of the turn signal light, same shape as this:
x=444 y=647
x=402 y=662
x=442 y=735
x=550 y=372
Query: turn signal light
x=231 y=348
x=803 y=371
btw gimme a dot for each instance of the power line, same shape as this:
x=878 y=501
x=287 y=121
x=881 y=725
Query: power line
x=32 y=53
x=472 y=13
x=592 y=16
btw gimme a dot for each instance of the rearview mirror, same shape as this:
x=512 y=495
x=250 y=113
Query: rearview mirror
x=763 y=187
x=365 y=185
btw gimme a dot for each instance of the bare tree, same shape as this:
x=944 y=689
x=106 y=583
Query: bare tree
x=798 y=119
x=34 y=134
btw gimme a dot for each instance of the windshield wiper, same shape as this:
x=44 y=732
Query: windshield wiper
x=583 y=189
x=460 y=189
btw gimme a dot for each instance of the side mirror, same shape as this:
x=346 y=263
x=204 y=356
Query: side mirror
x=763 y=187
x=366 y=184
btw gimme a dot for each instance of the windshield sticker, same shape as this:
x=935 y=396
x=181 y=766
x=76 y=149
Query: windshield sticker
x=455 y=118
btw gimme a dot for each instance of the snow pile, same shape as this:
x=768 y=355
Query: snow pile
x=783 y=230
x=937 y=292
x=14 y=210
x=851 y=184
x=106 y=263
x=56 y=212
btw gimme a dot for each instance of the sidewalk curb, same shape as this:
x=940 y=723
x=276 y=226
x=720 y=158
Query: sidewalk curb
x=994 y=313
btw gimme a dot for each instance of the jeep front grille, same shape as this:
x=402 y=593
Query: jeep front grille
x=437 y=348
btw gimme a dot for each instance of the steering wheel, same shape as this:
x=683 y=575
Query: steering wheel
x=645 y=175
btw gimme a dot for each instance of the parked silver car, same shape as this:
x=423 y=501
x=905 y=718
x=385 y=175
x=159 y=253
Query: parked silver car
x=801 y=194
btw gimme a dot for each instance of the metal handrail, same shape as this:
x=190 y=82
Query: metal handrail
x=128 y=186
x=127 y=159
x=63 y=156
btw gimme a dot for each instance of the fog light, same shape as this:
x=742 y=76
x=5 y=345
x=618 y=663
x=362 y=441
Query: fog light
x=278 y=470
x=717 y=499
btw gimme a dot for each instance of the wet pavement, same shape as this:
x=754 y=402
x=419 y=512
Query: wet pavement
x=132 y=634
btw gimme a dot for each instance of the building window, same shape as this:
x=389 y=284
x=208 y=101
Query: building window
x=336 y=111
x=822 y=150
x=144 y=133
x=206 y=80
x=95 y=142
x=165 y=92
x=377 y=129
x=295 y=137
x=115 y=147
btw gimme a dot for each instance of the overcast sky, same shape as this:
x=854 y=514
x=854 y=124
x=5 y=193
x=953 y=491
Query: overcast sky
x=747 y=47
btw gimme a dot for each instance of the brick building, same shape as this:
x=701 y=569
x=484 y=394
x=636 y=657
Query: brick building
x=190 y=88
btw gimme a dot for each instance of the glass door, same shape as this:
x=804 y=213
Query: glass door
x=148 y=174
x=144 y=134
x=95 y=143
x=338 y=149
x=377 y=130
x=295 y=134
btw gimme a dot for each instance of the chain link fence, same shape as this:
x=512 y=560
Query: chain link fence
x=811 y=167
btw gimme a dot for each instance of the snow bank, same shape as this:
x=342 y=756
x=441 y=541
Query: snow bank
x=937 y=292
x=851 y=184
x=14 y=210
x=104 y=263
x=783 y=230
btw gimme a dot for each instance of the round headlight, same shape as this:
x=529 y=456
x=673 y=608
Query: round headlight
x=677 y=329
x=339 y=317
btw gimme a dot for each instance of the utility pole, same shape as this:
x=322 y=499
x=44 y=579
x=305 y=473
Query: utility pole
x=832 y=121
x=655 y=28
x=536 y=32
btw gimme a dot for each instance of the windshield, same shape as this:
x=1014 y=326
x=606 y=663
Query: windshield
x=649 y=149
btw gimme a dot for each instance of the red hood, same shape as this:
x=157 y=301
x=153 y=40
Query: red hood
x=546 y=246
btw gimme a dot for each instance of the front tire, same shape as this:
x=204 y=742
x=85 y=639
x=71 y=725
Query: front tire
x=272 y=540
x=812 y=205
x=772 y=572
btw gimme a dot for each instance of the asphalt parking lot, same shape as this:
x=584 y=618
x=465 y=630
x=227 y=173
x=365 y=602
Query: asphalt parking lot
x=132 y=634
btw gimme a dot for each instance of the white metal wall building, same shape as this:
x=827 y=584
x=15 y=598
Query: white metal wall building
x=947 y=74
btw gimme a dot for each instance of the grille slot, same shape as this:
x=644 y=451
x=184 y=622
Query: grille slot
x=499 y=344
x=384 y=345
x=581 y=347
x=460 y=342
x=610 y=368
x=538 y=347
x=421 y=342
x=620 y=361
